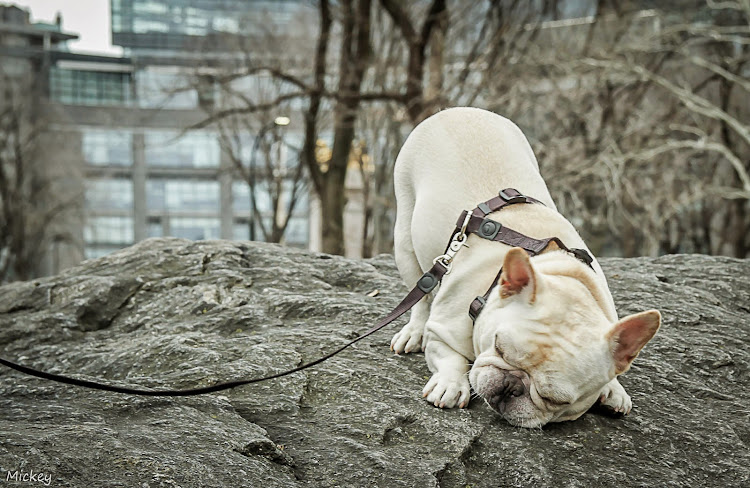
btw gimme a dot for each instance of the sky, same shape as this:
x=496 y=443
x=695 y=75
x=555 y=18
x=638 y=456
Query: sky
x=87 y=18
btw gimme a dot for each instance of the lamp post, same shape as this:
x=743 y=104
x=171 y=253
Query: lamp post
x=280 y=121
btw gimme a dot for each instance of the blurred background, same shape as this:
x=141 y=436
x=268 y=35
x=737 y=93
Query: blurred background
x=280 y=120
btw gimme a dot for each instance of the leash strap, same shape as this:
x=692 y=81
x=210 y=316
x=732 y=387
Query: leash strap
x=425 y=285
x=474 y=222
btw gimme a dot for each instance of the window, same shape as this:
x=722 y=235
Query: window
x=110 y=194
x=297 y=231
x=241 y=231
x=77 y=87
x=107 y=147
x=226 y=24
x=109 y=230
x=302 y=197
x=195 y=31
x=194 y=228
x=241 y=146
x=194 y=149
x=141 y=26
x=241 y=198
x=164 y=90
x=147 y=7
x=197 y=22
x=577 y=9
x=183 y=195
x=155 y=194
x=155 y=229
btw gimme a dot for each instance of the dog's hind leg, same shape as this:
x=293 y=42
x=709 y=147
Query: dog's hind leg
x=409 y=339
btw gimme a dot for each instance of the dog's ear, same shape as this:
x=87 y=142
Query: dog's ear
x=518 y=275
x=629 y=335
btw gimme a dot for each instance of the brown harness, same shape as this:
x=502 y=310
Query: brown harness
x=470 y=222
x=491 y=230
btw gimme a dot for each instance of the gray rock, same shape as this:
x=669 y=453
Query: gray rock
x=174 y=313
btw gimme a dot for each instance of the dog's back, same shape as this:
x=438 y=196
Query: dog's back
x=454 y=160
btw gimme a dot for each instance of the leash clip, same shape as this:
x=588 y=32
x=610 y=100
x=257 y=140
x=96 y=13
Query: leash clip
x=457 y=242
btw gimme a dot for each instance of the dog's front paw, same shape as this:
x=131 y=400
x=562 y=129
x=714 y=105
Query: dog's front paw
x=408 y=339
x=447 y=391
x=614 y=398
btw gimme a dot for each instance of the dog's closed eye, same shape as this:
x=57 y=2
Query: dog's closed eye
x=552 y=401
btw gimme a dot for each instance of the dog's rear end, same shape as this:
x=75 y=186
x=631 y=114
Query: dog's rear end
x=449 y=163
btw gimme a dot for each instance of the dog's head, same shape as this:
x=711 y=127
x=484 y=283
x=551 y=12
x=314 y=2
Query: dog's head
x=545 y=347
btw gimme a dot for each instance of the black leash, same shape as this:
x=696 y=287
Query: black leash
x=424 y=286
x=470 y=222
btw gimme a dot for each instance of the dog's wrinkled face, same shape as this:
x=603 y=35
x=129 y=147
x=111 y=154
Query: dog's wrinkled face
x=545 y=348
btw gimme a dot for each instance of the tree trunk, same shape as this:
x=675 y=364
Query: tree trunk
x=332 y=210
x=355 y=55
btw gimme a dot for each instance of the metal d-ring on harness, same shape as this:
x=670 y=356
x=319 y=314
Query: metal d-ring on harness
x=470 y=222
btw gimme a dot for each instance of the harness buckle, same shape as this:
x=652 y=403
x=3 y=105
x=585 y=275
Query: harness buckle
x=512 y=199
x=476 y=307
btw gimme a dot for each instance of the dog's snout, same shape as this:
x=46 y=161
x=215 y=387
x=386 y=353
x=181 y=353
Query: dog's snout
x=510 y=386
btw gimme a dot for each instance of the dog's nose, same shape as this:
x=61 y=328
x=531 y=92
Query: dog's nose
x=511 y=386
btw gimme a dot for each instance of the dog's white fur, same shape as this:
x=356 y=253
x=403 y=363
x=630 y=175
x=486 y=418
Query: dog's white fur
x=555 y=325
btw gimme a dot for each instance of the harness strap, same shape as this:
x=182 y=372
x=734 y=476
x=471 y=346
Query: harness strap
x=492 y=230
x=508 y=196
x=425 y=285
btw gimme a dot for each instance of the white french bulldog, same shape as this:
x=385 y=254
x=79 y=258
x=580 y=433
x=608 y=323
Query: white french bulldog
x=548 y=343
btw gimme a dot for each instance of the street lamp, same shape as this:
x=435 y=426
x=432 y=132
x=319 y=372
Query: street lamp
x=279 y=121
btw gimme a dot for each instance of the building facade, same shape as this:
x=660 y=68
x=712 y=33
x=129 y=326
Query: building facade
x=127 y=119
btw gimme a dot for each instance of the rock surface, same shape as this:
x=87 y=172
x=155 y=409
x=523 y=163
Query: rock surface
x=175 y=313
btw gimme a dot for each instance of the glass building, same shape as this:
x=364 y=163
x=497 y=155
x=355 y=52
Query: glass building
x=145 y=174
x=178 y=25
x=79 y=87
x=183 y=192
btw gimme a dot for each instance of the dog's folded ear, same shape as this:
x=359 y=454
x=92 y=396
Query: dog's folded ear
x=628 y=336
x=518 y=275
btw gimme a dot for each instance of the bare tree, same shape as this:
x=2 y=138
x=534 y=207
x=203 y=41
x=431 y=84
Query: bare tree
x=437 y=61
x=687 y=80
x=423 y=80
x=271 y=168
x=638 y=118
x=353 y=58
x=619 y=102
x=33 y=195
